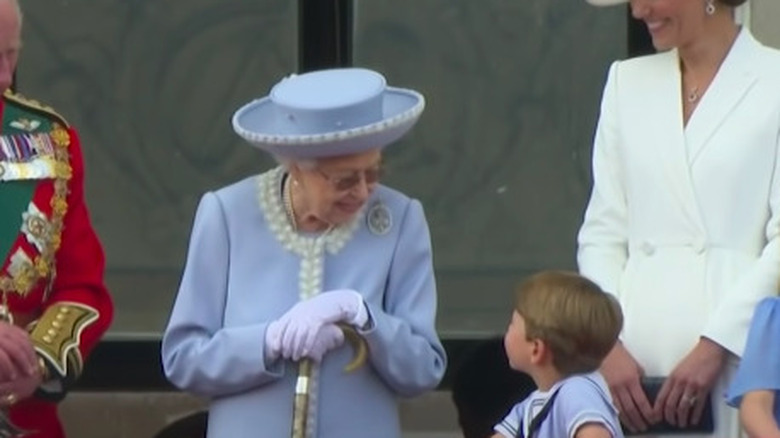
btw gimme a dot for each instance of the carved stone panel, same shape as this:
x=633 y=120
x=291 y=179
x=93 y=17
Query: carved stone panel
x=151 y=85
x=501 y=158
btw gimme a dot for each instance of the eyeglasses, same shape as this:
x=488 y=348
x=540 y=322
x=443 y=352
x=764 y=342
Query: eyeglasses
x=346 y=183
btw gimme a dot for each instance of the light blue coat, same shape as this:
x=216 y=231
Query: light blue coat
x=238 y=278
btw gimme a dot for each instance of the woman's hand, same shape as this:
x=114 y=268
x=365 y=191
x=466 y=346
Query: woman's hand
x=303 y=330
x=295 y=339
x=622 y=374
x=302 y=340
x=685 y=392
x=330 y=307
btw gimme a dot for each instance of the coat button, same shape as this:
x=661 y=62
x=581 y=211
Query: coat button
x=699 y=246
x=648 y=248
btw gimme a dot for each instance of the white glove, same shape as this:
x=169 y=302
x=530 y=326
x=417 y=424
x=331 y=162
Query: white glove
x=306 y=323
x=327 y=338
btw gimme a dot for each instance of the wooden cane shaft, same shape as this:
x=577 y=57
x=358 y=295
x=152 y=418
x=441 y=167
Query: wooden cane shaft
x=301 y=402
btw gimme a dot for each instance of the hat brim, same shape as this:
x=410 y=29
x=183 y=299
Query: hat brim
x=606 y=2
x=401 y=108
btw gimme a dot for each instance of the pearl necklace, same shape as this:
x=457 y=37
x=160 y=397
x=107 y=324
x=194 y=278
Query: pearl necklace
x=311 y=249
x=693 y=95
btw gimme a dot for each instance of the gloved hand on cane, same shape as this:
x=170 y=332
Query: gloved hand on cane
x=309 y=328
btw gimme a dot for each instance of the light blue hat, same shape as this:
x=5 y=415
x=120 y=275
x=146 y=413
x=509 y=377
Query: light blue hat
x=606 y=2
x=328 y=113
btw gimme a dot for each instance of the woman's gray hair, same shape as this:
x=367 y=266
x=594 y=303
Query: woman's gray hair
x=287 y=162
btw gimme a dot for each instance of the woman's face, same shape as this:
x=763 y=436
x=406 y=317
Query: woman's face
x=672 y=23
x=335 y=188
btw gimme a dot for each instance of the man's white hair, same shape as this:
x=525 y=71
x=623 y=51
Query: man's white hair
x=18 y=8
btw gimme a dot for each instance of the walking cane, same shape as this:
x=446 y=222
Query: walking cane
x=302 y=389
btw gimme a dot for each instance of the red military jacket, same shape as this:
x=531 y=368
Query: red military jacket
x=51 y=276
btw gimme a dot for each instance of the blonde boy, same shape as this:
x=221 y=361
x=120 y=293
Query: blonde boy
x=562 y=327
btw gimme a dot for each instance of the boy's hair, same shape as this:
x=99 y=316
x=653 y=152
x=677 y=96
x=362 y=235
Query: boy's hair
x=577 y=321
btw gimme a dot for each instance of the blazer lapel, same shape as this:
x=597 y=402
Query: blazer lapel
x=733 y=80
x=664 y=99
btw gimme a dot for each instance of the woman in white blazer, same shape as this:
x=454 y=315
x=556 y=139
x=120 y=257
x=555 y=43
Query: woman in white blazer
x=682 y=223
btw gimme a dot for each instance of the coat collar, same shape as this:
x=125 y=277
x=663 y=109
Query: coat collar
x=735 y=77
x=662 y=99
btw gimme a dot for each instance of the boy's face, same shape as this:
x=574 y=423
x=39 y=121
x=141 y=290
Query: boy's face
x=519 y=350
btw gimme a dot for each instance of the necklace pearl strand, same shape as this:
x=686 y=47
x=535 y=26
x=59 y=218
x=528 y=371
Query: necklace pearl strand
x=311 y=249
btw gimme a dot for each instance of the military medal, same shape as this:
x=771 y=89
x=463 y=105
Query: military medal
x=5 y=312
x=24 y=124
x=20 y=148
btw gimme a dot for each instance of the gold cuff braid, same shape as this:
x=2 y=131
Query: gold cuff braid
x=57 y=334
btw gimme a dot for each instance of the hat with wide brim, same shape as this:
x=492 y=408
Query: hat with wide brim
x=606 y=2
x=328 y=113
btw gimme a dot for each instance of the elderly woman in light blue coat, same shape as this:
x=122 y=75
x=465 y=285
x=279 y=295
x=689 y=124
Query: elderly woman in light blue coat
x=278 y=263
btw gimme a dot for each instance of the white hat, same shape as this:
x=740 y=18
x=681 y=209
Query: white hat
x=328 y=113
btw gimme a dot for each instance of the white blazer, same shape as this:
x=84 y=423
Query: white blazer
x=682 y=224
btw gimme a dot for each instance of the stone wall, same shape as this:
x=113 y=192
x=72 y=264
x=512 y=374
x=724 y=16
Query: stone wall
x=500 y=159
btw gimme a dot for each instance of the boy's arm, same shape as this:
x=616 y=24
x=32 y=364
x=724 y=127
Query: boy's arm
x=593 y=430
x=757 y=416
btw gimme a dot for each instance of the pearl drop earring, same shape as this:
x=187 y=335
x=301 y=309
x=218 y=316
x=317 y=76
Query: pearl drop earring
x=710 y=8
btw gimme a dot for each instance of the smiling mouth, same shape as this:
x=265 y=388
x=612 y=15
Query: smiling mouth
x=350 y=208
x=653 y=26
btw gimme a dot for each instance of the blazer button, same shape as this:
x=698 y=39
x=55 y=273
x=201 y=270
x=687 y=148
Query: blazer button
x=699 y=246
x=648 y=248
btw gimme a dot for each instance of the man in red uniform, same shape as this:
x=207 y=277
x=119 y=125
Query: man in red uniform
x=54 y=306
